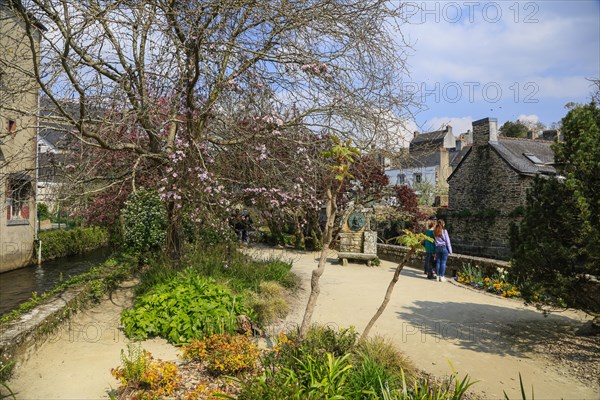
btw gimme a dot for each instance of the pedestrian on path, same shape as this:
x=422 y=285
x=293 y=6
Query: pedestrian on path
x=442 y=249
x=429 y=250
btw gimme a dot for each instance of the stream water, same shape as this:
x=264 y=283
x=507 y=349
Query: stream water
x=17 y=285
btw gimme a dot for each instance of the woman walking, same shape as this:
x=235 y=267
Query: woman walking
x=442 y=249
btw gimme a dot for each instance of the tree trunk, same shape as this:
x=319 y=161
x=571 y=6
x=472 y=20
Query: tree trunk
x=174 y=248
x=388 y=293
x=331 y=210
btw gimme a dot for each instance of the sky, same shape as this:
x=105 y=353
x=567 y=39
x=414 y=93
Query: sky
x=502 y=59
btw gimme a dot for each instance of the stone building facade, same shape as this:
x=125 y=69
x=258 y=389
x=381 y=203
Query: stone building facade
x=18 y=131
x=488 y=189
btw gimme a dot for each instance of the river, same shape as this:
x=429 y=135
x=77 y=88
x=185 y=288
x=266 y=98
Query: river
x=16 y=286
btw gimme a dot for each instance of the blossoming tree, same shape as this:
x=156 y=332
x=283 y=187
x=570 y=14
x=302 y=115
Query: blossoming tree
x=193 y=80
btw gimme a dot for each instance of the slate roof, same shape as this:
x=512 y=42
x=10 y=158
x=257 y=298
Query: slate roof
x=421 y=160
x=514 y=151
x=457 y=156
x=429 y=158
x=431 y=140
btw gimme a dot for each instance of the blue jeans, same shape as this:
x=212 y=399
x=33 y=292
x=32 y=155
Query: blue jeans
x=441 y=255
x=429 y=263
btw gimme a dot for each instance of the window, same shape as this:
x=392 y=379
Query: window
x=400 y=179
x=533 y=158
x=418 y=178
x=18 y=194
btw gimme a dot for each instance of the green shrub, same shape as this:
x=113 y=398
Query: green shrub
x=372 y=369
x=144 y=223
x=322 y=339
x=62 y=243
x=186 y=307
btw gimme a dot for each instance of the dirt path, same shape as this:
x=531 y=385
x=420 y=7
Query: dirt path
x=485 y=336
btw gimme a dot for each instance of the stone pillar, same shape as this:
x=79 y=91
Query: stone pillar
x=370 y=242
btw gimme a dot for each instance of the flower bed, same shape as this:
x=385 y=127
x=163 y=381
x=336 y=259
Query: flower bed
x=472 y=276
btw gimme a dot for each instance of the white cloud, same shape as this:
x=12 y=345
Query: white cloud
x=459 y=124
x=528 y=119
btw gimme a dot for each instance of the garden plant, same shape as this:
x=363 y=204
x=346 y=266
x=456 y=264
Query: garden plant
x=497 y=284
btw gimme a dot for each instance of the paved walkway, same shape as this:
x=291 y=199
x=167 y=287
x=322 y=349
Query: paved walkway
x=482 y=335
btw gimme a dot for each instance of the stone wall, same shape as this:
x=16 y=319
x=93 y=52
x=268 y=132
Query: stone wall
x=351 y=242
x=455 y=262
x=485 y=197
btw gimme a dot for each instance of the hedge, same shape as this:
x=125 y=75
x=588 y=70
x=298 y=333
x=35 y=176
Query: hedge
x=61 y=243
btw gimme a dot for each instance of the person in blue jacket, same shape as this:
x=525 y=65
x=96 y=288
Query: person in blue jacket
x=443 y=248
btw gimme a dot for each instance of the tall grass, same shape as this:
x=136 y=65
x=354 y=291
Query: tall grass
x=237 y=270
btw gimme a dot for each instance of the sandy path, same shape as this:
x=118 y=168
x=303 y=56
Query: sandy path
x=431 y=322
x=75 y=361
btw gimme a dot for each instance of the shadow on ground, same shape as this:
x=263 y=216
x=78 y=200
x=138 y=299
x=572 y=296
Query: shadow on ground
x=483 y=327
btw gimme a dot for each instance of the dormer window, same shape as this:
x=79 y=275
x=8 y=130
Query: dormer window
x=533 y=159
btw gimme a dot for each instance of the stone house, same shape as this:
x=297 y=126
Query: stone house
x=18 y=130
x=488 y=188
x=428 y=163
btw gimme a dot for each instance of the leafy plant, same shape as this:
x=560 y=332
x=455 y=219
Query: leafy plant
x=223 y=353
x=143 y=377
x=186 y=307
x=322 y=378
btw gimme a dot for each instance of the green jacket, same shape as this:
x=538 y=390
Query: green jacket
x=429 y=246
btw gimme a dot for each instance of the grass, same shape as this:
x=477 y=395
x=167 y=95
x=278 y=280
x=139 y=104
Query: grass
x=269 y=303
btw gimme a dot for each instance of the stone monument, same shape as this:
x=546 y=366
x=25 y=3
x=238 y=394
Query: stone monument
x=357 y=240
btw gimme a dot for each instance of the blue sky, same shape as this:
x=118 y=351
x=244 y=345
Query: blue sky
x=502 y=59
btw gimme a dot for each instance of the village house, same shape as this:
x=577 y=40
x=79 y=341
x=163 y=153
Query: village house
x=18 y=131
x=428 y=164
x=488 y=189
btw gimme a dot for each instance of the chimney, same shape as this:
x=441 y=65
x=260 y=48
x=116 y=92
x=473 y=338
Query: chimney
x=468 y=138
x=449 y=139
x=444 y=171
x=459 y=142
x=485 y=131
x=530 y=135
